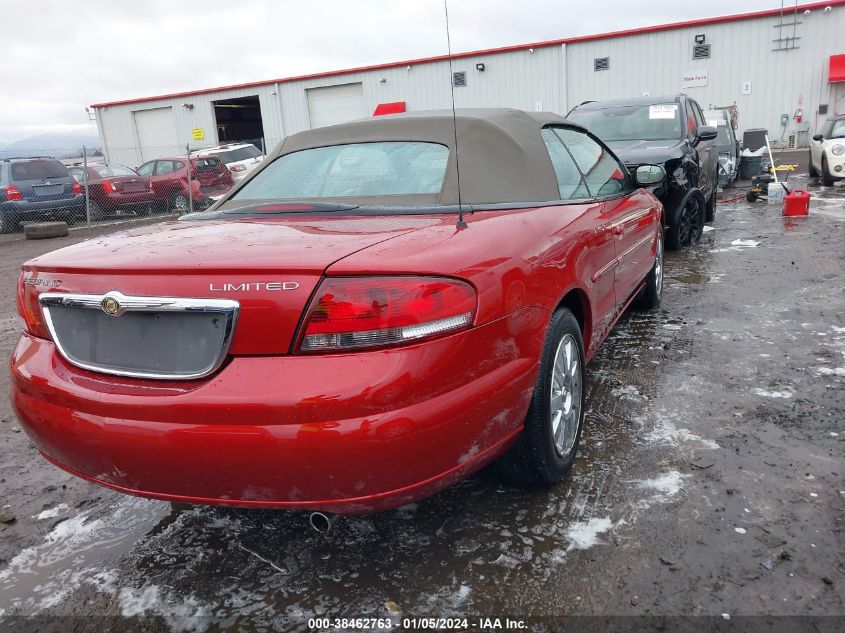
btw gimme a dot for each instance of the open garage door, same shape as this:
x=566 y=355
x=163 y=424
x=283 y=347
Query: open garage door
x=336 y=104
x=239 y=120
x=156 y=132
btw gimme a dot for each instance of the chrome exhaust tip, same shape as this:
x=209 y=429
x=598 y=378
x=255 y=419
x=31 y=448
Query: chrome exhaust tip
x=321 y=523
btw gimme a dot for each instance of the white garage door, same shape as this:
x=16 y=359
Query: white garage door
x=336 y=104
x=156 y=132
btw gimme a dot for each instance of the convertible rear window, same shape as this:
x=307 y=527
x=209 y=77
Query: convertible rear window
x=355 y=170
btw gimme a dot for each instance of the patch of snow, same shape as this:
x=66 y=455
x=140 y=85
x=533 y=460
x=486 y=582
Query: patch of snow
x=828 y=371
x=182 y=615
x=666 y=432
x=745 y=243
x=51 y=513
x=773 y=394
x=585 y=534
x=739 y=530
x=668 y=484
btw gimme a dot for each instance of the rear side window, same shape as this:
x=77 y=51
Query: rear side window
x=355 y=170
x=165 y=167
x=603 y=174
x=38 y=170
x=570 y=181
x=147 y=168
x=206 y=164
x=106 y=171
x=239 y=154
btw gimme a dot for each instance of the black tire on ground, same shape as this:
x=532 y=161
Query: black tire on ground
x=44 y=230
x=827 y=178
x=751 y=196
x=178 y=202
x=652 y=292
x=540 y=456
x=710 y=209
x=814 y=173
x=8 y=223
x=686 y=222
x=96 y=211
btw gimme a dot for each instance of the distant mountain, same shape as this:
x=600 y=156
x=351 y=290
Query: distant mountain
x=59 y=145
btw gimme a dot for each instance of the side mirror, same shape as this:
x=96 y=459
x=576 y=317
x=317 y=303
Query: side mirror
x=818 y=137
x=649 y=175
x=705 y=133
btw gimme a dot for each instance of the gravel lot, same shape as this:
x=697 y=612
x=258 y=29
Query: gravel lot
x=711 y=481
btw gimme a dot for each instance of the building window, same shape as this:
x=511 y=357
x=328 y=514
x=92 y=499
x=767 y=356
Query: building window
x=601 y=63
x=701 y=51
x=459 y=79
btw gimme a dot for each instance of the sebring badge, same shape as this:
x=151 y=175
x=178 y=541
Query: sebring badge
x=110 y=306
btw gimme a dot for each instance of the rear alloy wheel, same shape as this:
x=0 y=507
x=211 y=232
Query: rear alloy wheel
x=652 y=292
x=686 y=224
x=827 y=178
x=814 y=173
x=546 y=449
x=179 y=202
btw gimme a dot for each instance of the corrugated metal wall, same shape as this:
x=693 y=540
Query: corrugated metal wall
x=553 y=78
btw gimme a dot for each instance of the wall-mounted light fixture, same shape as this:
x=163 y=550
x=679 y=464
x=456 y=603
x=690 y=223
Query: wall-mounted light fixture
x=700 y=38
x=480 y=67
x=530 y=51
x=383 y=80
x=188 y=106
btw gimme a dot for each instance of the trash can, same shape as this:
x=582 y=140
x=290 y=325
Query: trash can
x=750 y=166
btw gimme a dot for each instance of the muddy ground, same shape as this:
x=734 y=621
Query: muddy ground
x=711 y=481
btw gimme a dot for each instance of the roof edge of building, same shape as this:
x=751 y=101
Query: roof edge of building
x=736 y=17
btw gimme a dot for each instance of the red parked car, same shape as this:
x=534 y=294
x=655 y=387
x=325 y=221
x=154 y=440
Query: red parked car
x=112 y=188
x=210 y=179
x=339 y=335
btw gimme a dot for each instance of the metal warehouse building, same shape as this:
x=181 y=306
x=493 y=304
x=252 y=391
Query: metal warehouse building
x=784 y=71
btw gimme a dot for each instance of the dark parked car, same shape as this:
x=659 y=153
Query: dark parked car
x=671 y=132
x=34 y=189
x=210 y=179
x=114 y=187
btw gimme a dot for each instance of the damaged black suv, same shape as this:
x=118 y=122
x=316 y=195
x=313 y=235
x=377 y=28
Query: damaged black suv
x=667 y=131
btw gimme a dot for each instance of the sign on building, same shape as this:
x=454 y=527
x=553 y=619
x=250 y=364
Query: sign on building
x=694 y=78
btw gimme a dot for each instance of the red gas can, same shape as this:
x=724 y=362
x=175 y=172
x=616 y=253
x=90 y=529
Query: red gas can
x=796 y=202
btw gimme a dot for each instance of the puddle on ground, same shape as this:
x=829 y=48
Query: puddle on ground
x=693 y=279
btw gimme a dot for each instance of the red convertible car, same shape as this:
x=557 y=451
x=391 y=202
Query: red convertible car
x=379 y=310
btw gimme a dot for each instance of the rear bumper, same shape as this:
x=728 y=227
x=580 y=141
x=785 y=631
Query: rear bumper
x=25 y=209
x=118 y=200
x=344 y=433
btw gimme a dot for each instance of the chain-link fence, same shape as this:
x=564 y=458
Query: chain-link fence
x=94 y=184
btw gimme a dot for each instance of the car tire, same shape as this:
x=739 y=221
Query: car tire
x=545 y=450
x=95 y=211
x=686 y=222
x=179 y=202
x=652 y=292
x=814 y=173
x=8 y=222
x=827 y=178
x=710 y=209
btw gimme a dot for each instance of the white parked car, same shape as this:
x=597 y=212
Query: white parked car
x=240 y=158
x=827 y=151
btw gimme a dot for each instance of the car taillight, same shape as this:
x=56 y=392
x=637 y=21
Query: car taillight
x=76 y=187
x=109 y=186
x=237 y=168
x=349 y=313
x=30 y=310
x=12 y=192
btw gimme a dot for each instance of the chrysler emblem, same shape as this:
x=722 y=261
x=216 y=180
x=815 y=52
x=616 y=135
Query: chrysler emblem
x=110 y=306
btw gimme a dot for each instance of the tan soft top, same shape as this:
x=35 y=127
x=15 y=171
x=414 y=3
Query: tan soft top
x=502 y=156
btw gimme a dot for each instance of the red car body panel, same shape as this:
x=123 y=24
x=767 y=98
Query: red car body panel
x=128 y=190
x=352 y=431
x=204 y=184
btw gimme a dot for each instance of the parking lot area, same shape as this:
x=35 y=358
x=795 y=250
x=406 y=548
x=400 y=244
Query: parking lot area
x=710 y=482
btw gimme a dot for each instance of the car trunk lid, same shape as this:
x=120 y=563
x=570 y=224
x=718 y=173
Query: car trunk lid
x=270 y=267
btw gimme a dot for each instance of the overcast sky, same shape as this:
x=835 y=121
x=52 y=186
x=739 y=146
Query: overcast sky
x=60 y=56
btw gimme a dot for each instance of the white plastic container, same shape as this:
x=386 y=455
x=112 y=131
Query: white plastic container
x=776 y=193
